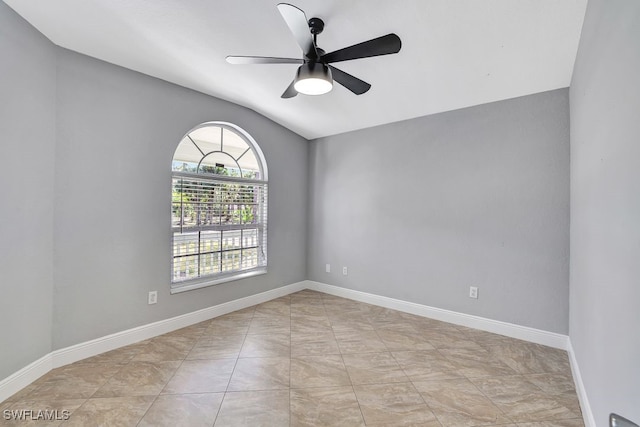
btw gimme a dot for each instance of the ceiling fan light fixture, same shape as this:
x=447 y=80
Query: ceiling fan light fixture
x=313 y=78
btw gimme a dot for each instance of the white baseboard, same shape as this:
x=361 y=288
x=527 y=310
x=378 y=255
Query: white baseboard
x=120 y=339
x=587 y=414
x=64 y=356
x=25 y=376
x=537 y=336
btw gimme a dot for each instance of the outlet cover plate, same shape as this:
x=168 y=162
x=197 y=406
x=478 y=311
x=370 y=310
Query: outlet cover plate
x=153 y=297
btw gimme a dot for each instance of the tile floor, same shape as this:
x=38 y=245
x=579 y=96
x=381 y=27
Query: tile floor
x=311 y=359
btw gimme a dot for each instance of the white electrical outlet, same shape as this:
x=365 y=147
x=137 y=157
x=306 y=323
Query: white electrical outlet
x=327 y=268
x=473 y=292
x=344 y=271
x=153 y=297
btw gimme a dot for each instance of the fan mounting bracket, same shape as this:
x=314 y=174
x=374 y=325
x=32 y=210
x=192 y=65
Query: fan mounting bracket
x=316 y=25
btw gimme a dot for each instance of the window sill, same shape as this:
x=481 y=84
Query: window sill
x=190 y=285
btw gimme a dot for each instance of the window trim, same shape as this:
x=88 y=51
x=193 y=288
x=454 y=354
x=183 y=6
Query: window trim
x=200 y=282
x=219 y=278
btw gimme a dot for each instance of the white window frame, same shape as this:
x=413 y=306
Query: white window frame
x=260 y=225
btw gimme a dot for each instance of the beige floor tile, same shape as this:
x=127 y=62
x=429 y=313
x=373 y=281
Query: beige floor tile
x=373 y=368
x=110 y=411
x=347 y=308
x=164 y=348
x=183 y=410
x=311 y=336
x=193 y=331
x=458 y=402
x=277 y=307
x=76 y=381
x=314 y=345
x=305 y=309
x=307 y=293
x=139 y=379
x=398 y=325
x=307 y=306
x=261 y=373
x=248 y=311
x=474 y=363
x=201 y=376
x=392 y=404
x=240 y=316
x=229 y=324
x=318 y=371
x=318 y=335
x=449 y=338
x=522 y=401
x=6 y=404
x=556 y=383
x=226 y=329
x=569 y=399
x=385 y=316
x=27 y=413
x=346 y=323
x=576 y=422
x=335 y=406
x=217 y=347
x=254 y=409
x=359 y=342
x=268 y=345
x=24 y=393
x=401 y=423
x=310 y=331
x=310 y=324
x=423 y=324
x=426 y=365
x=486 y=339
x=530 y=358
x=270 y=325
x=119 y=355
x=218 y=324
x=403 y=340
x=368 y=309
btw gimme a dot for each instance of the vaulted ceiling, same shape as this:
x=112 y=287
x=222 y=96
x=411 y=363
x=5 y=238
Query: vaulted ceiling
x=455 y=53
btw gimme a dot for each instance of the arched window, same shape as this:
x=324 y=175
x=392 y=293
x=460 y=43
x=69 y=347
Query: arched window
x=218 y=207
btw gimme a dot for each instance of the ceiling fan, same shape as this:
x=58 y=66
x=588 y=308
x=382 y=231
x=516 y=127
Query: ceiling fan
x=315 y=75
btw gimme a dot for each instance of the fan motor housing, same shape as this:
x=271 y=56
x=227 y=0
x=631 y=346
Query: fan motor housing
x=316 y=25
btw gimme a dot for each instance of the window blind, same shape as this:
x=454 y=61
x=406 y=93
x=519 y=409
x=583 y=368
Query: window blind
x=219 y=225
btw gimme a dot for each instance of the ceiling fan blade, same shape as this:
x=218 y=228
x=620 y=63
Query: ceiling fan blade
x=290 y=92
x=352 y=83
x=384 y=45
x=262 y=60
x=299 y=26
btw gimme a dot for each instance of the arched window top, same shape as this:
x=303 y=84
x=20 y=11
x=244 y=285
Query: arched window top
x=218 y=148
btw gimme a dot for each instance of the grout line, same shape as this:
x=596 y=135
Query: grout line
x=226 y=390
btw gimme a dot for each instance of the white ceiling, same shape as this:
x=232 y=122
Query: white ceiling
x=455 y=53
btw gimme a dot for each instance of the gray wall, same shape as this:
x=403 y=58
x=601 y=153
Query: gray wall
x=422 y=209
x=117 y=131
x=27 y=136
x=605 y=208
